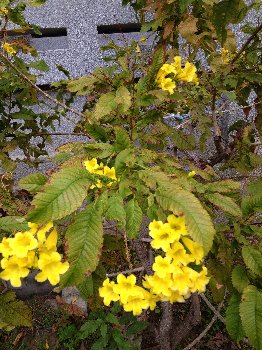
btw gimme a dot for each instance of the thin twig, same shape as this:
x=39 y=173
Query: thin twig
x=49 y=97
x=127 y=251
x=211 y=307
x=125 y=272
x=246 y=44
x=201 y=335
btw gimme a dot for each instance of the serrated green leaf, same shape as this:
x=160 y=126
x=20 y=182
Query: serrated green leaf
x=251 y=315
x=86 y=287
x=122 y=140
x=99 y=150
x=85 y=240
x=253 y=259
x=136 y=328
x=13 y=223
x=225 y=186
x=105 y=105
x=233 y=320
x=82 y=85
x=39 y=65
x=123 y=99
x=133 y=218
x=89 y=327
x=198 y=222
x=183 y=141
x=33 y=182
x=255 y=187
x=14 y=312
x=123 y=159
x=116 y=209
x=65 y=193
x=227 y=204
x=251 y=205
x=239 y=278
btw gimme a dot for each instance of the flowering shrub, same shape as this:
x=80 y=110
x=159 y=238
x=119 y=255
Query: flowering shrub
x=32 y=249
x=176 y=275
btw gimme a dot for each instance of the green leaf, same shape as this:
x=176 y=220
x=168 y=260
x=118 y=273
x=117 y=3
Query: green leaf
x=198 y=222
x=136 y=328
x=233 y=320
x=225 y=12
x=85 y=240
x=86 y=287
x=13 y=223
x=96 y=131
x=99 y=150
x=239 y=278
x=33 y=182
x=123 y=159
x=251 y=315
x=183 y=141
x=133 y=218
x=105 y=105
x=225 y=186
x=183 y=4
x=253 y=259
x=14 y=312
x=251 y=205
x=122 y=140
x=82 y=85
x=111 y=318
x=227 y=204
x=116 y=209
x=39 y=65
x=61 y=197
x=123 y=99
x=255 y=187
x=88 y=328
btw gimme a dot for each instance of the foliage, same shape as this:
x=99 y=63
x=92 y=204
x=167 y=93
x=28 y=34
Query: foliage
x=152 y=121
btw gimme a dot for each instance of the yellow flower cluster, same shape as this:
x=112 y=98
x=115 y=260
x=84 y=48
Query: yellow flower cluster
x=32 y=249
x=168 y=74
x=3 y=11
x=226 y=55
x=94 y=168
x=176 y=275
x=9 y=48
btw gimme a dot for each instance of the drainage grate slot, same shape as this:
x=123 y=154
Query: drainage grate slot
x=119 y=28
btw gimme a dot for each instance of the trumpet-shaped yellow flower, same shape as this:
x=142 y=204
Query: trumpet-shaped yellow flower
x=49 y=244
x=32 y=227
x=158 y=285
x=168 y=84
x=178 y=254
x=9 y=48
x=51 y=268
x=176 y=297
x=162 y=266
x=110 y=172
x=22 y=243
x=195 y=249
x=200 y=281
x=177 y=225
x=181 y=281
x=165 y=70
x=5 y=248
x=152 y=299
x=136 y=304
x=14 y=269
x=91 y=165
x=107 y=293
x=126 y=287
x=188 y=73
x=41 y=232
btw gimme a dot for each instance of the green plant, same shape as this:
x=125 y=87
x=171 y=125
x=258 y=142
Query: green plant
x=111 y=330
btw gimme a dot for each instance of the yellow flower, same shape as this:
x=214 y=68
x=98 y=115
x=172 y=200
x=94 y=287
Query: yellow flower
x=136 y=304
x=33 y=227
x=163 y=234
x=177 y=224
x=176 y=297
x=200 y=281
x=162 y=266
x=168 y=84
x=188 y=73
x=14 y=270
x=110 y=172
x=195 y=249
x=152 y=300
x=138 y=50
x=41 y=232
x=3 y=11
x=22 y=243
x=191 y=174
x=91 y=165
x=32 y=260
x=178 y=254
x=5 y=248
x=126 y=287
x=48 y=244
x=51 y=267
x=181 y=281
x=158 y=285
x=8 y=48
x=108 y=293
